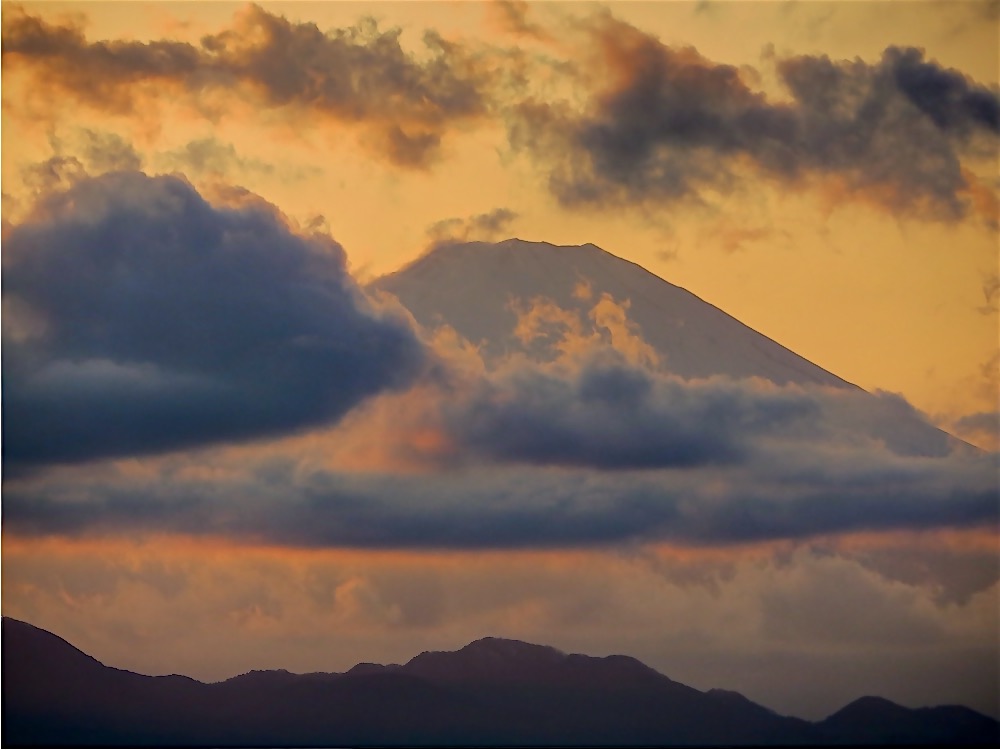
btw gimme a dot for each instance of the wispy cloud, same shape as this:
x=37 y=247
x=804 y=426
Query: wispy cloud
x=483 y=227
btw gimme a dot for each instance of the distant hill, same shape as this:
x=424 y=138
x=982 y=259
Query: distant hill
x=493 y=692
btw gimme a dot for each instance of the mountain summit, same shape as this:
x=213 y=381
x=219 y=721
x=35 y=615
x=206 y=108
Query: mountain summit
x=480 y=288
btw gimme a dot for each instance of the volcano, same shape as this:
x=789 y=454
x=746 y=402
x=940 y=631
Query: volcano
x=485 y=291
x=477 y=288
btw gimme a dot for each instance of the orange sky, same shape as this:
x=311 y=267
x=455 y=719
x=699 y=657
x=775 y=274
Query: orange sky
x=886 y=301
x=299 y=546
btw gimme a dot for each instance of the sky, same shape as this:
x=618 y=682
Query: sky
x=222 y=453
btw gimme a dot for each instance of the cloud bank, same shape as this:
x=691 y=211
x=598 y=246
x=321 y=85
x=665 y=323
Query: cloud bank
x=598 y=452
x=140 y=318
x=277 y=503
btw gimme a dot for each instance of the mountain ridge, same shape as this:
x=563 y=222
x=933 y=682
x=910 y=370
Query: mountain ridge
x=553 y=699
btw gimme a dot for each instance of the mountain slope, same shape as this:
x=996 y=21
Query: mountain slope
x=493 y=692
x=486 y=292
x=472 y=286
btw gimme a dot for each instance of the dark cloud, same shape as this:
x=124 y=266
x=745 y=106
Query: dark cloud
x=947 y=97
x=140 y=318
x=669 y=125
x=537 y=457
x=278 y=503
x=359 y=75
x=97 y=73
x=614 y=416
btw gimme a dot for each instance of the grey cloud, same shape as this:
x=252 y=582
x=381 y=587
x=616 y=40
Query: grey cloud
x=795 y=493
x=836 y=605
x=84 y=153
x=56 y=172
x=484 y=226
x=595 y=451
x=97 y=73
x=671 y=125
x=358 y=75
x=983 y=425
x=615 y=416
x=946 y=96
x=953 y=575
x=160 y=322
x=983 y=420
x=495 y=221
x=212 y=156
x=107 y=152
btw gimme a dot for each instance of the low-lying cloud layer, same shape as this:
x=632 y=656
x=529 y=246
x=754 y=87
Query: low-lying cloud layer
x=530 y=455
x=779 y=497
x=140 y=318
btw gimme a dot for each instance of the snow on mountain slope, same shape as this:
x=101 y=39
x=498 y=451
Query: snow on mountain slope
x=477 y=287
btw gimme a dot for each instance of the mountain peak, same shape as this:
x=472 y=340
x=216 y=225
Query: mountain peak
x=507 y=648
x=482 y=290
x=505 y=249
x=487 y=658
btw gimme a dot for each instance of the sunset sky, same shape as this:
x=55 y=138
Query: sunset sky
x=200 y=478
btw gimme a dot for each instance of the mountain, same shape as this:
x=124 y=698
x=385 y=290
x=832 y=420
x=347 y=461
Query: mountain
x=881 y=723
x=492 y=692
x=474 y=287
x=485 y=291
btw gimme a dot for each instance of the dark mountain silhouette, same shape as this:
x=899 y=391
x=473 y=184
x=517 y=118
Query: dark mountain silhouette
x=493 y=692
x=878 y=722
